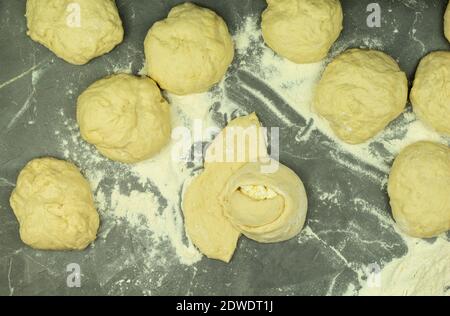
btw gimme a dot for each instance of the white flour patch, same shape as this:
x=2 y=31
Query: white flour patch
x=141 y=209
x=424 y=270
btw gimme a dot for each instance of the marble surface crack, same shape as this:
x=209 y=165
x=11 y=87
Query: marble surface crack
x=23 y=74
x=6 y=183
x=22 y=110
x=412 y=33
x=337 y=252
x=11 y=288
x=333 y=283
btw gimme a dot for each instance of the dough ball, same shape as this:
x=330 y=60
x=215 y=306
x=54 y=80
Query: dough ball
x=125 y=117
x=447 y=22
x=430 y=95
x=266 y=207
x=360 y=93
x=76 y=31
x=419 y=189
x=54 y=206
x=189 y=51
x=303 y=31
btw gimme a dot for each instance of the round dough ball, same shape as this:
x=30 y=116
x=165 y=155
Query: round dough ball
x=303 y=31
x=419 y=189
x=360 y=93
x=54 y=206
x=76 y=31
x=430 y=95
x=266 y=207
x=189 y=51
x=447 y=22
x=125 y=117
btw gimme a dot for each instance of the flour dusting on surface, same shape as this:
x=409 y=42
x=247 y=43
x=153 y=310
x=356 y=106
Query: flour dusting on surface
x=146 y=198
x=423 y=271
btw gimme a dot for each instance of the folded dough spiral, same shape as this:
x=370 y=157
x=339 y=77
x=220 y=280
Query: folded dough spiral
x=216 y=213
x=206 y=225
x=266 y=207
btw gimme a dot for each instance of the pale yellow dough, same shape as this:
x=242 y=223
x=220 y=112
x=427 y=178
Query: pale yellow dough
x=447 y=22
x=303 y=31
x=276 y=218
x=230 y=198
x=419 y=189
x=125 y=117
x=205 y=222
x=189 y=51
x=430 y=94
x=360 y=93
x=54 y=206
x=99 y=30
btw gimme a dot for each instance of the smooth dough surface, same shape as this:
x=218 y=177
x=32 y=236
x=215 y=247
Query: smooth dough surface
x=266 y=217
x=189 y=51
x=125 y=117
x=54 y=206
x=303 y=31
x=230 y=198
x=360 y=93
x=419 y=189
x=52 y=23
x=447 y=22
x=205 y=222
x=430 y=95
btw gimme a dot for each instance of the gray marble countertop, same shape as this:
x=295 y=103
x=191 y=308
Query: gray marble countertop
x=33 y=86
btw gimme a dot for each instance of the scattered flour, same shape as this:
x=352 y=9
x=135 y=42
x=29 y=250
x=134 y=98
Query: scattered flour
x=423 y=271
x=142 y=209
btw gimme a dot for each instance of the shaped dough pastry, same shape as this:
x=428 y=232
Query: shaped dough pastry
x=205 y=222
x=234 y=196
x=266 y=207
